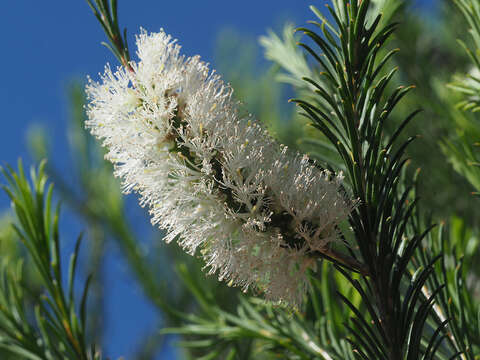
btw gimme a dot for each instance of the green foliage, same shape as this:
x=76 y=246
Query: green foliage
x=456 y=303
x=293 y=67
x=462 y=151
x=428 y=57
x=285 y=52
x=352 y=114
x=58 y=329
x=259 y=330
x=106 y=13
x=469 y=85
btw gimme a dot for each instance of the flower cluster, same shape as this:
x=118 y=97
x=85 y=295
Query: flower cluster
x=211 y=175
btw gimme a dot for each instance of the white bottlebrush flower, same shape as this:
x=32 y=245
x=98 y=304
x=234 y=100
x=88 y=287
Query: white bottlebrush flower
x=210 y=174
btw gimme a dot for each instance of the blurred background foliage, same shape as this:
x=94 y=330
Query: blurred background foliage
x=210 y=320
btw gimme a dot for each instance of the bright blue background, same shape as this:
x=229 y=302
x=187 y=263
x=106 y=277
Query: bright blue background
x=46 y=44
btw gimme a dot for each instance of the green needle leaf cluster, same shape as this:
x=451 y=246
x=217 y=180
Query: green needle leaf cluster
x=107 y=14
x=355 y=105
x=57 y=330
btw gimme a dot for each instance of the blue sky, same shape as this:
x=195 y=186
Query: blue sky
x=46 y=44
